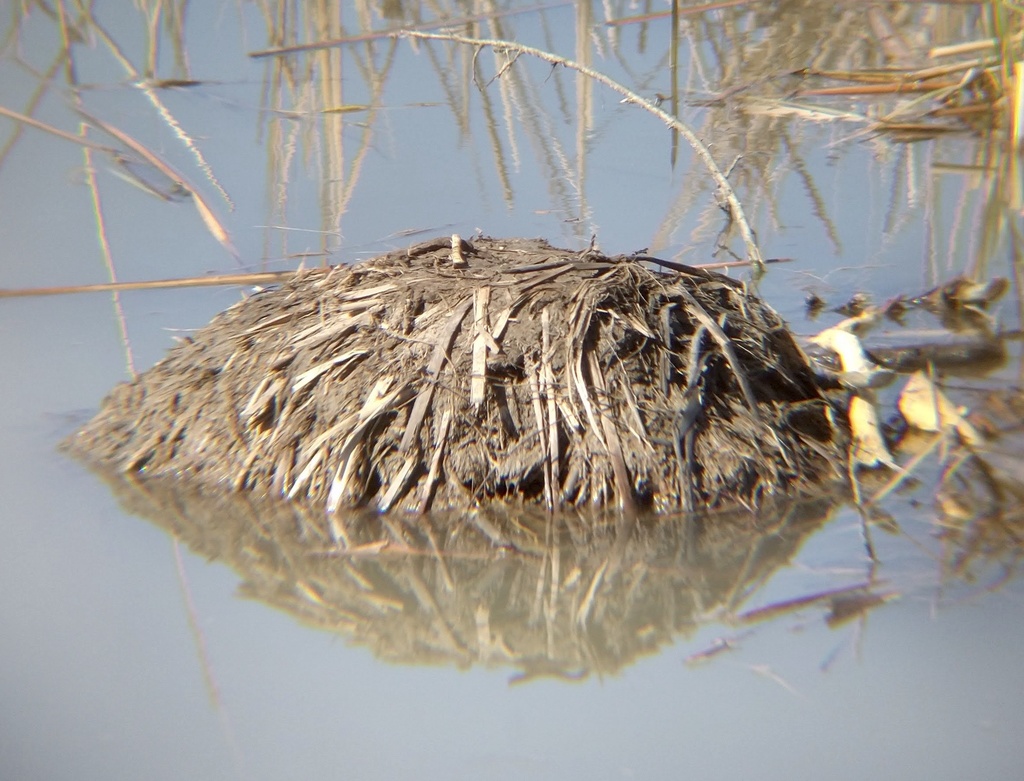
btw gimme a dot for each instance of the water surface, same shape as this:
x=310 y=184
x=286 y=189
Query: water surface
x=127 y=655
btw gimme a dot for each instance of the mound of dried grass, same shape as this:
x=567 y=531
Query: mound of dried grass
x=439 y=378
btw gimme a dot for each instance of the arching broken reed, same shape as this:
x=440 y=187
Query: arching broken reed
x=438 y=378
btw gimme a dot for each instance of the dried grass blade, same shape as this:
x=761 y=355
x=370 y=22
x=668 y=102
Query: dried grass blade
x=547 y=384
x=944 y=70
x=378 y=402
x=265 y=391
x=399 y=483
x=66 y=40
x=426 y=394
x=624 y=486
x=256 y=278
x=377 y=291
x=568 y=411
x=35 y=123
x=725 y=344
x=549 y=276
x=318 y=332
x=478 y=380
x=635 y=323
x=108 y=256
x=312 y=375
x=213 y=225
x=967 y=47
x=501 y=323
x=533 y=376
x=270 y=322
x=427 y=489
x=317 y=450
x=580 y=324
x=665 y=354
x=636 y=421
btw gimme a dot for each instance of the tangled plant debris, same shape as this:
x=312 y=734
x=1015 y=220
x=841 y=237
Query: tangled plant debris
x=453 y=373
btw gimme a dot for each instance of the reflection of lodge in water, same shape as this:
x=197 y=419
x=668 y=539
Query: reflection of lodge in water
x=547 y=594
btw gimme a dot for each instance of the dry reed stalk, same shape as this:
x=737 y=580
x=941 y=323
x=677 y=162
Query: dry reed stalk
x=35 y=123
x=108 y=257
x=254 y=278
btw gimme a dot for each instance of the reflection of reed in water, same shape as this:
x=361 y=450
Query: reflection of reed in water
x=749 y=62
x=331 y=90
x=308 y=113
x=556 y=595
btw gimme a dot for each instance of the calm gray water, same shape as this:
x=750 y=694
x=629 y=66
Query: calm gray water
x=124 y=655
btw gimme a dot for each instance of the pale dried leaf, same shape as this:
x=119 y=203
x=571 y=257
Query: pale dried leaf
x=847 y=346
x=858 y=371
x=869 y=448
x=924 y=406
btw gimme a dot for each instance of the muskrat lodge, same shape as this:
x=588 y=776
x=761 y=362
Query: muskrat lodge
x=451 y=374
